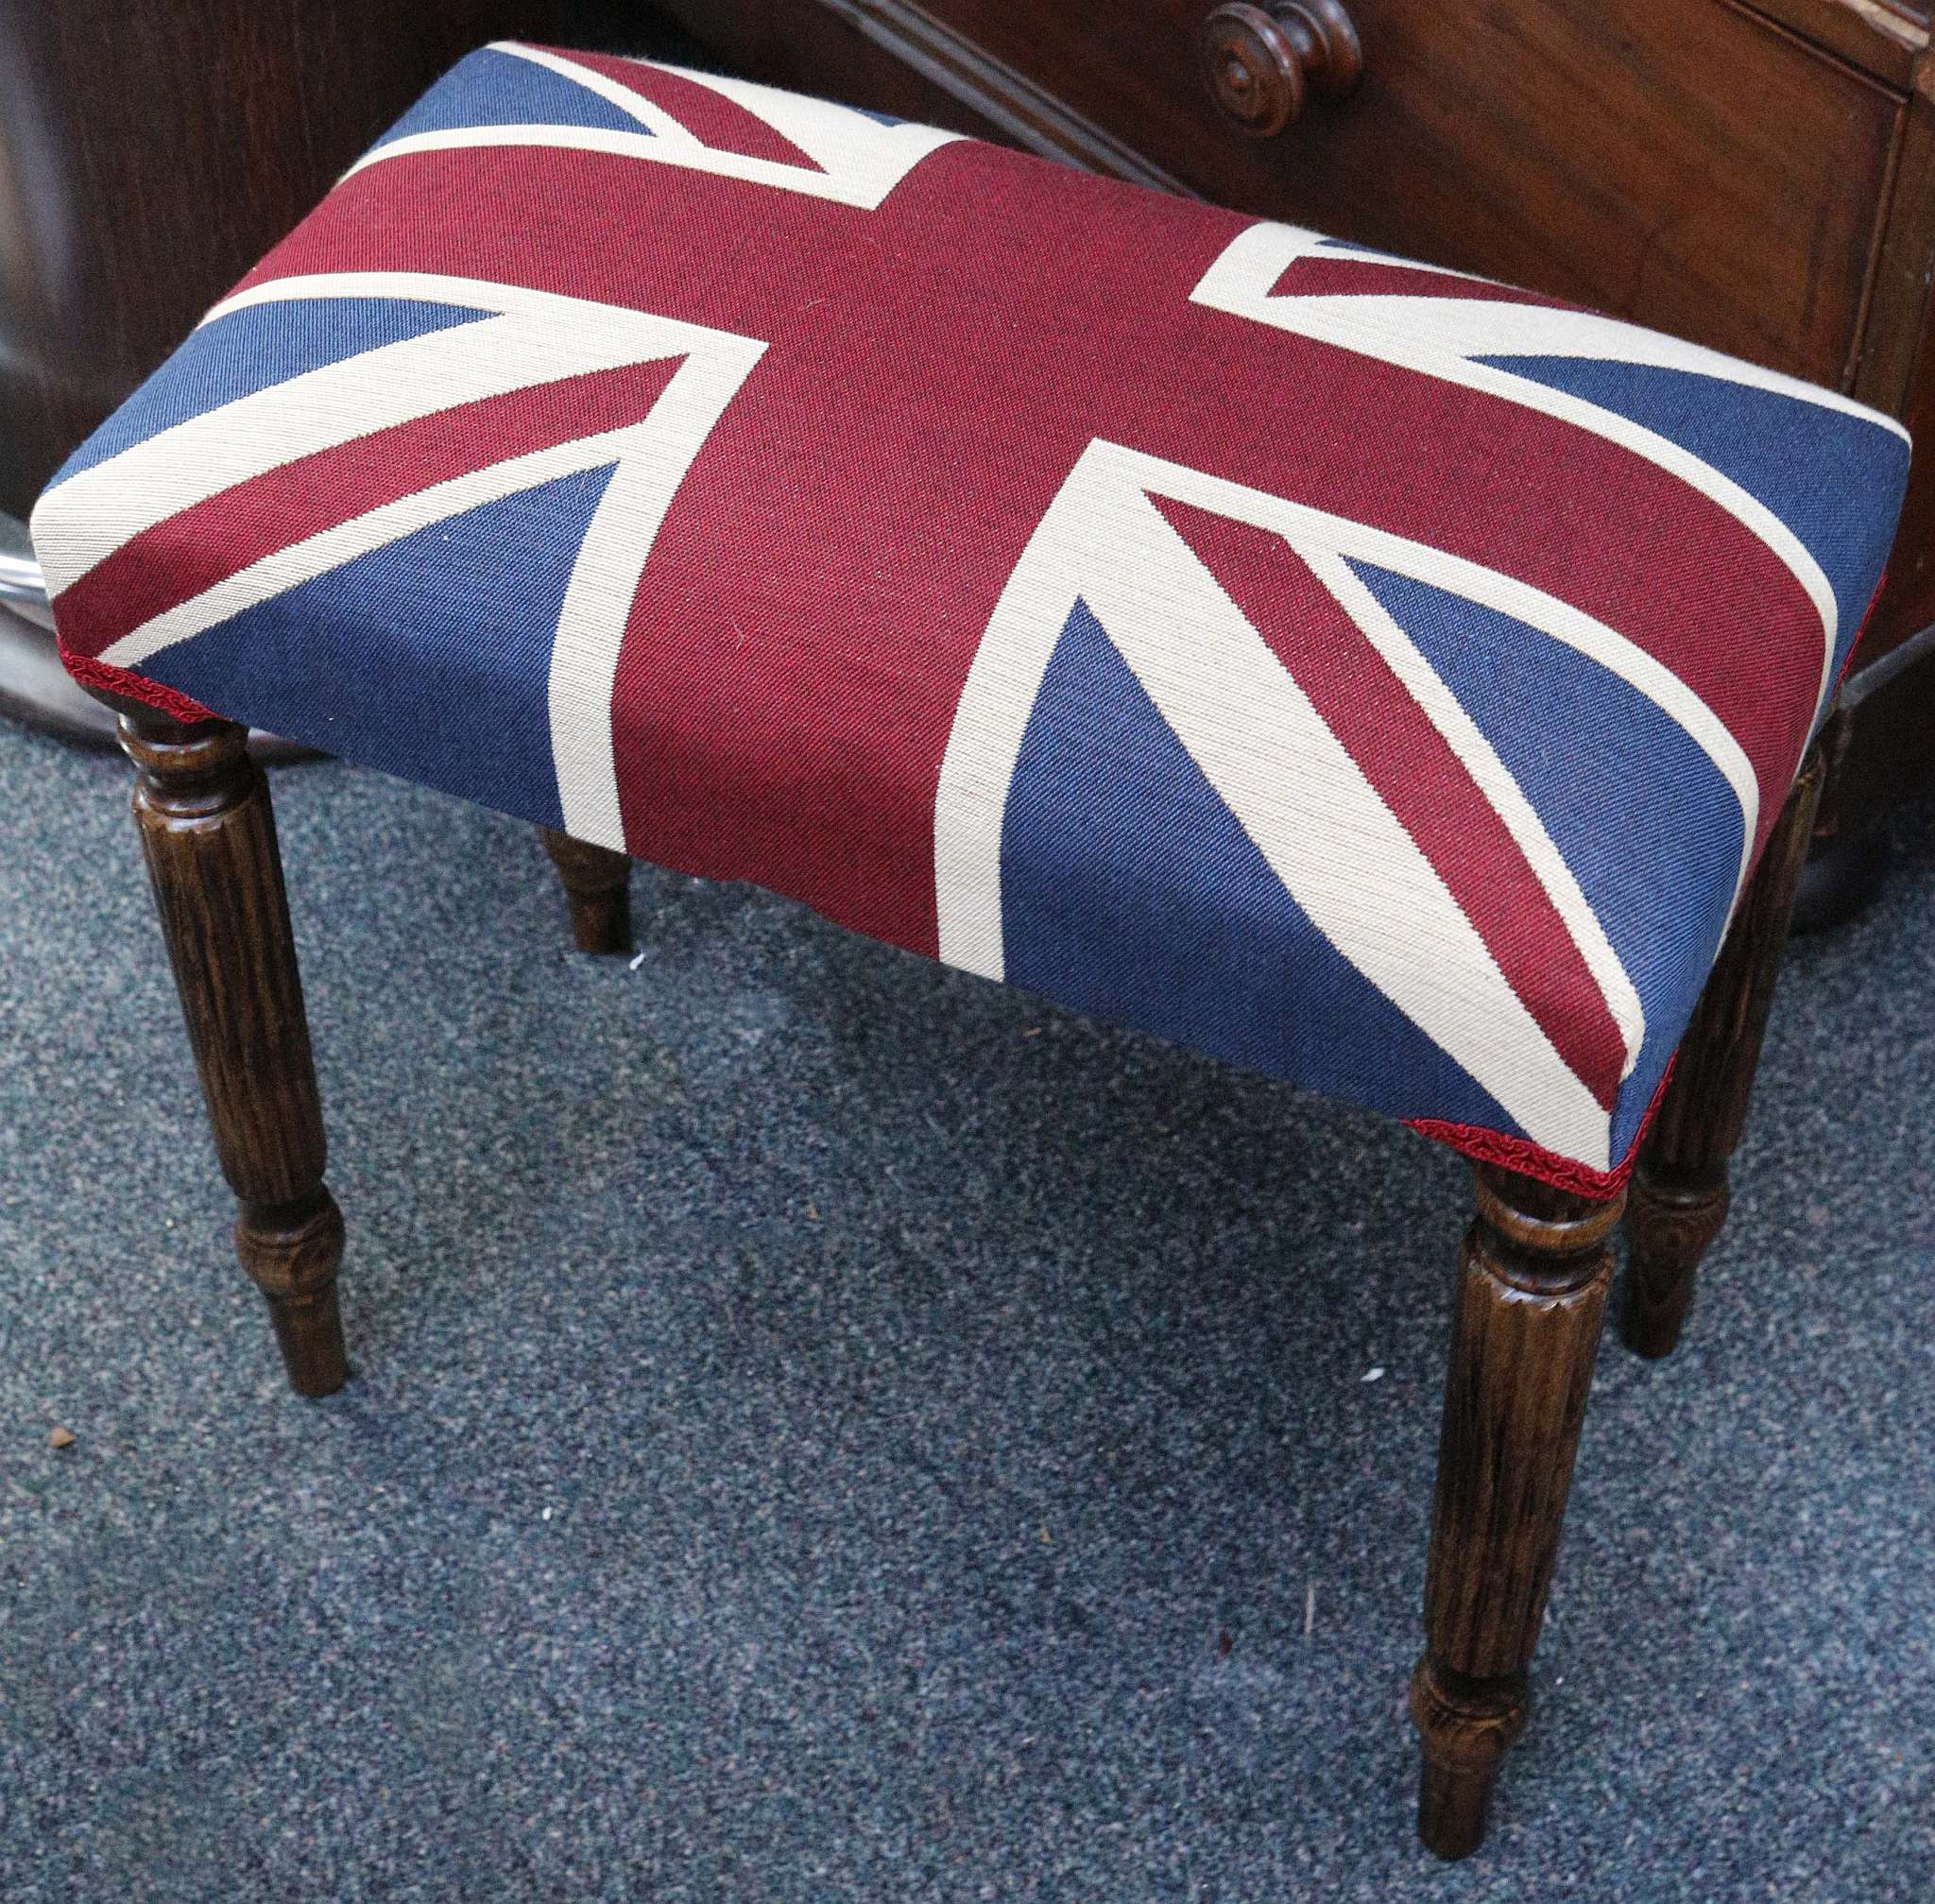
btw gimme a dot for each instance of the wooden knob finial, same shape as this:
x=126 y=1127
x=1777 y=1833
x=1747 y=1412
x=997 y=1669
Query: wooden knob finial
x=1261 y=61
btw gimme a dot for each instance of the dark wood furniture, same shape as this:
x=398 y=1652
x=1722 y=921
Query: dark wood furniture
x=1756 y=180
x=148 y=156
x=1679 y=1189
x=1757 y=176
x=1533 y=1279
x=202 y=808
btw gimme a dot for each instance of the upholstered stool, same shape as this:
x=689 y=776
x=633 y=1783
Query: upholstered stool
x=1382 y=678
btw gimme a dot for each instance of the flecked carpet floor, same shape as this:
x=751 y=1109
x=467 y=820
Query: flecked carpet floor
x=827 y=1428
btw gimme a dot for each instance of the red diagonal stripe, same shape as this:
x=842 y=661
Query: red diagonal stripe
x=708 y=115
x=209 y=541
x=1317 y=274
x=1412 y=769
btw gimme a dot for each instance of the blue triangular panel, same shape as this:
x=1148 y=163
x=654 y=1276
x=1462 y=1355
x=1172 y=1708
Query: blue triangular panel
x=1648 y=824
x=1128 y=889
x=430 y=658
x=251 y=349
x=489 y=88
x=1835 y=479
x=1351 y=249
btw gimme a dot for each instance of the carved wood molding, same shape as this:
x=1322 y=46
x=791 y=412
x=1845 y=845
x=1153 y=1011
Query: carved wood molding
x=1881 y=36
x=1028 y=114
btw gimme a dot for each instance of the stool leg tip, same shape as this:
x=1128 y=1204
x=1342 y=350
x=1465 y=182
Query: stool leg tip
x=310 y=1335
x=601 y=923
x=596 y=882
x=1451 y=1808
x=292 y=1252
x=1650 y=1334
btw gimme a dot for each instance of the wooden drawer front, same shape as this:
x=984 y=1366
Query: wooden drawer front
x=1681 y=161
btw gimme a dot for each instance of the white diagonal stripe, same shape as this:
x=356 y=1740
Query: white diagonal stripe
x=1338 y=848
x=1323 y=246
x=861 y=159
x=1442 y=338
x=1260 y=255
x=1496 y=781
x=535 y=338
x=1055 y=569
x=597 y=603
x=1339 y=851
x=653 y=456
x=298 y=562
x=839 y=139
x=1316 y=531
x=1342 y=853
x=633 y=105
x=1493 y=327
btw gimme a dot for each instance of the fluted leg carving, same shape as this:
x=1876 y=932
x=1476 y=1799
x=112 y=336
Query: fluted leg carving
x=209 y=836
x=597 y=884
x=1531 y=1285
x=1679 y=1195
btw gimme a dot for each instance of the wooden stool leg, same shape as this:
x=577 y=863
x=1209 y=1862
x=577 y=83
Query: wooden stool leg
x=1679 y=1195
x=1531 y=1285
x=209 y=836
x=597 y=889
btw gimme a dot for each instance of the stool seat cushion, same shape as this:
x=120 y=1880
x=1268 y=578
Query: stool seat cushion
x=1361 y=672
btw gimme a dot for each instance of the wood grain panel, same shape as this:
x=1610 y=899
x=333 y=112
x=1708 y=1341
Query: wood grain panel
x=1894 y=372
x=1658 y=159
x=149 y=155
x=813 y=48
x=1882 y=37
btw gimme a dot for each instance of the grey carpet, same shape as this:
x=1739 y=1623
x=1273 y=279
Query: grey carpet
x=827 y=1428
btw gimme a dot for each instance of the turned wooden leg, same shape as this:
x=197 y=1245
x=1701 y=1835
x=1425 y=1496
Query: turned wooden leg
x=597 y=889
x=1532 y=1287
x=202 y=807
x=1679 y=1195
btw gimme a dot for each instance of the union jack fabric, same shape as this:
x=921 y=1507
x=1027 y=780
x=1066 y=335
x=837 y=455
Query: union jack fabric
x=1365 y=673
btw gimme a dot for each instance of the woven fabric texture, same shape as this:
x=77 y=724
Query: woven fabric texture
x=1365 y=673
